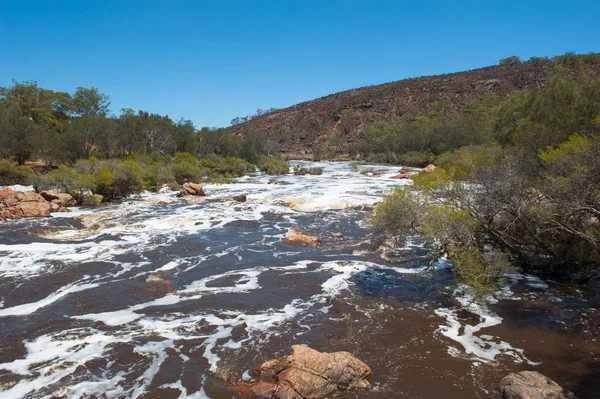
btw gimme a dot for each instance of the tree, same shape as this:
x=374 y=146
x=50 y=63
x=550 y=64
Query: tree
x=90 y=102
x=512 y=60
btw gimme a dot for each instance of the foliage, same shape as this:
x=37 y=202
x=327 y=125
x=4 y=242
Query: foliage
x=273 y=165
x=14 y=174
x=301 y=170
x=528 y=194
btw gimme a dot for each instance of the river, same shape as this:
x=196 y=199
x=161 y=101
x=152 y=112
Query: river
x=156 y=297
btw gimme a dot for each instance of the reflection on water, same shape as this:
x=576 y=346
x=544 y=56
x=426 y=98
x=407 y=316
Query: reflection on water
x=176 y=300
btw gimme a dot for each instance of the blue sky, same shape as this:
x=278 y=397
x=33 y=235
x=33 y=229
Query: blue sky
x=210 y=61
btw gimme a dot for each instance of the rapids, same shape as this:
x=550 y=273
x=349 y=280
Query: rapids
x=157 y=297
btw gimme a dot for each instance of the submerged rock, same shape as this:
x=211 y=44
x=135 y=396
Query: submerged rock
x=294 y=236
x=532 y=385
x=308 y=374
x=338 y=234
x=239 y=198
x=191 y=189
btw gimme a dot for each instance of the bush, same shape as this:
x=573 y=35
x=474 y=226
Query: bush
x=185 y=168
x=118 y=179
x=415 y=159
x=273 y=165
x=14 y=174
x=302 y=170
x=60 y=179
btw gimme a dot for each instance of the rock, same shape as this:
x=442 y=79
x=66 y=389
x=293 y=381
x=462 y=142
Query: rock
x=65 y=200
x=93 y=200
x=49 y=195
x=402 y=175
x=338 y=234
x=239 y=198
x=27 y=209
x=15 y=204
x=308 y=374
x=532 y=385
x=429 y=168
x=191 y=189
x=294 y=236
x=273 y=181
x=28 y=196
x=6 y=192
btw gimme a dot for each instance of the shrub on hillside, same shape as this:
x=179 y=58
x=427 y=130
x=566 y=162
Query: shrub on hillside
x=14 y=174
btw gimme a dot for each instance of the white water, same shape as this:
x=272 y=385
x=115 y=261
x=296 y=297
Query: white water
x=154 y=327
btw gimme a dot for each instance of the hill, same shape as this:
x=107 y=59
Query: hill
x=299 y=128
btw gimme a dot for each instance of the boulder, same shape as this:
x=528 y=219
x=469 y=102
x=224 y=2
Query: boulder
x=337 y=235
x=273 y=181
x=6 y=192
x=15 y=204
x=402 y=175
x=62 y=199
x=532 y=385
x=308 y=374
x=27 y=209
x=294 y=236
x=49 y=195
x=191 y=189
x=239 y=198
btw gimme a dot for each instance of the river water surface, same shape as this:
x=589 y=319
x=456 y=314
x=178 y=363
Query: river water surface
x=162 y=298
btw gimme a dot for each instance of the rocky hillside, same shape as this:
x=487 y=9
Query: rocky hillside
x=301 y=127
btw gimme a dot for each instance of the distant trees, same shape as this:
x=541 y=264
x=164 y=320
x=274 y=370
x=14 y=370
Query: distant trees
x=512 y=60
x=62 y=128
x=259 y=112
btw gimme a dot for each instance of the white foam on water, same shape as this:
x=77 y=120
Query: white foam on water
x=28 y=308
x=482 y=347
x=72 y=348
x=18 y=187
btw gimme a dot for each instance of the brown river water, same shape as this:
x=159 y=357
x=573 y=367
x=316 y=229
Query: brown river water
x=181 y=300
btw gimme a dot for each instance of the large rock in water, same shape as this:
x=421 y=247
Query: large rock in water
x=294 y=236
x=15 y=204
x=191 y=189
x=62 y=199
x=308 y=374
x=532 y=385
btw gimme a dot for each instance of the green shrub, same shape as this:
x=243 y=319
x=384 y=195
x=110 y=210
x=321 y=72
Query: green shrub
x=118 y=179
x=302 y=170
x=185 y=168
x=273 y=165
x=14 y=174
x=60 y=179
x=416 y=159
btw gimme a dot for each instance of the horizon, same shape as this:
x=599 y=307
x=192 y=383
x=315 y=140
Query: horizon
x=261 y=56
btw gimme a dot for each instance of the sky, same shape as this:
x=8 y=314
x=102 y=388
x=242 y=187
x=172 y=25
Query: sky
x=211 y=61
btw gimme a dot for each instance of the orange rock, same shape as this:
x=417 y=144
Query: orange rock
x=295 y=236
x=191 y=189
x=402 y=175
